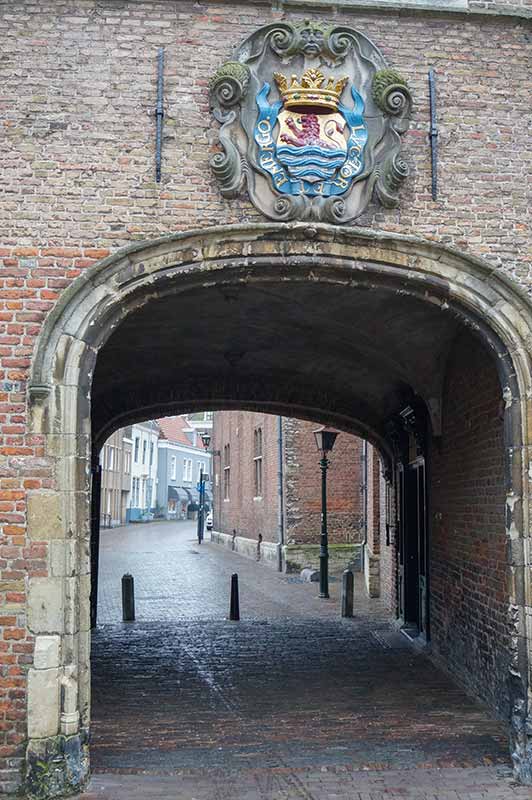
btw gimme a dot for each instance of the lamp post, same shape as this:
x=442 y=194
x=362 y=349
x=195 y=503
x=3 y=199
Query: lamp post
x=206 y=440
x=200 y=507
x=325 y=438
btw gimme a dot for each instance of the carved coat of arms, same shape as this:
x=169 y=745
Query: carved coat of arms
x=311 y=120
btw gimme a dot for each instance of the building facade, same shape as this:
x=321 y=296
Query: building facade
x=143 y=495
x=115 y=463
x=396 y=307
x=267 y=490
x=181 y=465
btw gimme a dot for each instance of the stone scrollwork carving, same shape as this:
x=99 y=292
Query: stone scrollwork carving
x=390 y=92
x=228 y=88
x=230 y=84
x=227 y=165
x=311 y=122
x=389 y=182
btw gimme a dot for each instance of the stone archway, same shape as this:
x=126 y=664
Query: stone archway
x=96 y=318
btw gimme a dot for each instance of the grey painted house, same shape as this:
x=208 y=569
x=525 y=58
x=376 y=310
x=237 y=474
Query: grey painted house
x=181 y=459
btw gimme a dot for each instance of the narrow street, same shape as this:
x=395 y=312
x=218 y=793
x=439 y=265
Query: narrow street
x=290 y=702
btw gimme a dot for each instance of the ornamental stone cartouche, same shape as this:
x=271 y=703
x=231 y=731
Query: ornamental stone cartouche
x=311 y=123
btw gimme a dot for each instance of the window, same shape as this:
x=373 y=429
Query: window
x=137 y=445
x=151 y=453
x=127 y=462
x=227 y=471
x=173 y=471
x=111 y=459
x=187 y=469
x=144 y=446
x=201 y=468
x=257 y=461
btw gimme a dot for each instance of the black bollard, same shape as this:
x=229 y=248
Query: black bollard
x=347 y=593
x=234 y=609
x=128 y=598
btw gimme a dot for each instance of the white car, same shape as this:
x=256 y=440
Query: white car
x=208 y=521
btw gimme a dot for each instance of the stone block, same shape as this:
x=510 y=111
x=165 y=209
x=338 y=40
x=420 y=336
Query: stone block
x=341 y=556
x=63 y=557
x=46 y=655
x=45 y=605
x=269 y=551
x=44 y=516
x=372 y=573
x=74 y=471
x=71 y=611
x=43 y=703
x=58 y=559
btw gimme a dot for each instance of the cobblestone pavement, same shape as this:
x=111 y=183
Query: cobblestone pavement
x=177 y=579
x=291 y=702
x=480 y=783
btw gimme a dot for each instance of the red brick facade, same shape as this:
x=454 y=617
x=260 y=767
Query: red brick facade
x=345 y=504
x=242 y=511
x=469 y=574
x=387 y=540
x=77 y=165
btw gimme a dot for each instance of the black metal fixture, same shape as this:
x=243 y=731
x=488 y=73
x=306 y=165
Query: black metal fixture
x=325 y=439
x=206 y=440
x=159 y=114
x=433 y=134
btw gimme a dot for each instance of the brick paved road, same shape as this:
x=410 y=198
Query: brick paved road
x=177 y=579
x=480 y=783
x=292 y=702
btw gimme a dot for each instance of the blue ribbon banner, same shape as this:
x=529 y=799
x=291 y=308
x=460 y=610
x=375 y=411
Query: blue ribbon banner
x=267 y=150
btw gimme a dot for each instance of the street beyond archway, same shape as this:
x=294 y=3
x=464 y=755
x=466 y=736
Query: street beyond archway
x=291 y=702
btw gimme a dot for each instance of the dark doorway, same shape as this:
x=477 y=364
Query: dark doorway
x=414 y=605
x=413 y=557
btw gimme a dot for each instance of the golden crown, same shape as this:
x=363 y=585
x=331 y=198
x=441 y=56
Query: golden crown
x=310 y=91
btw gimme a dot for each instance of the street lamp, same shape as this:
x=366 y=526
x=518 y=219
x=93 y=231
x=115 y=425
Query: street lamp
x=206 y=440
x=325 y=438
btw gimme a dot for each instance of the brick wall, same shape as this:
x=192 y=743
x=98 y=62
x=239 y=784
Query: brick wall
x=248 y=514
x=77 y=166
x=303 y=487
x=79 y=91
x=373 y=544
x=387 y=544
x=468 y=567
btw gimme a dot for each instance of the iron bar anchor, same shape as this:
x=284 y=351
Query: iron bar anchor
x=159 y=114
x=433 y=134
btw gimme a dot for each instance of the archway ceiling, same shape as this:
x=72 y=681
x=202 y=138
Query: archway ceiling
x=304 y=345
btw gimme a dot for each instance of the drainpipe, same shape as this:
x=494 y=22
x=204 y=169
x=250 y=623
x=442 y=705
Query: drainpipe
x=280 y=481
